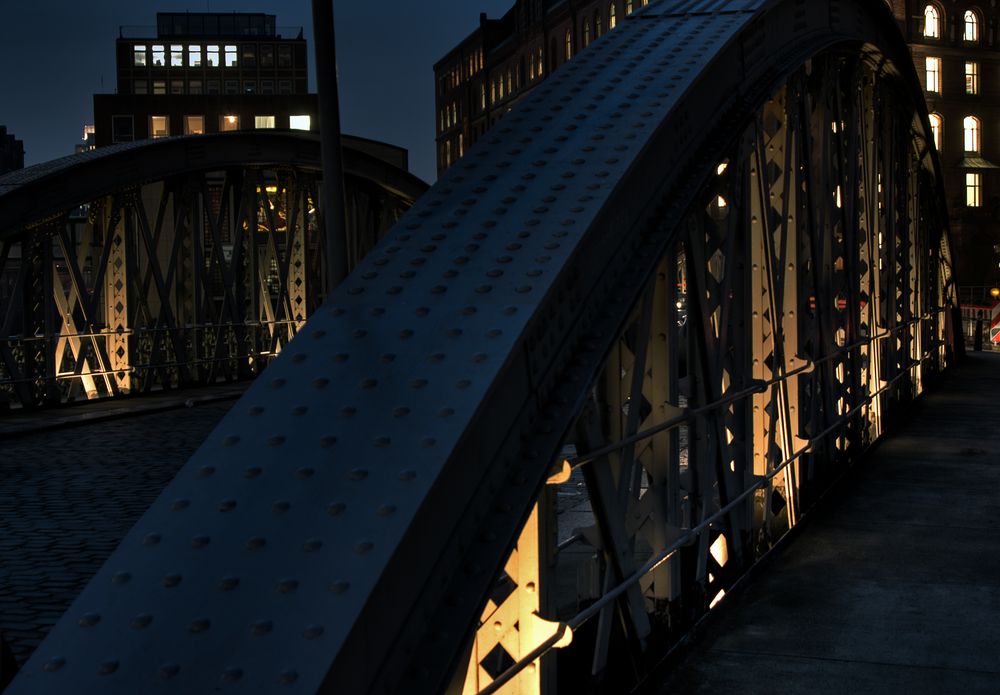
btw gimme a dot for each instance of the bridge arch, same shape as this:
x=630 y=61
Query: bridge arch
x=527 y=302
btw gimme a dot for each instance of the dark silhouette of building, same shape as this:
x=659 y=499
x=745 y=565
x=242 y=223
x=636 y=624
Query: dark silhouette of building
x=11 y=152
x=206 y=73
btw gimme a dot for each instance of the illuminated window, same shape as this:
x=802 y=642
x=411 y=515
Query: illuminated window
x=300 y=122
x=212 y=55
x=194 y=56
x=159 y=126
x=629 y=7
x=159 y=56
x=569 y=44
x=139 y=56
x=195 y=87
x=159 y=87
x=612 y=18
x=229 y=122
x=933 y=74
x=263 y=121
x=936 y=130
x=971 y=77
x=541 y=60
x=598 y=25
x=140 y=87
x=972 y=140
x=586 y=33
x=231 y=57
x=177 y=56
x=971 y=26
x=482 y=96
x=122 y=129
x=194 y=125
x=973 y=190
x=932 y=22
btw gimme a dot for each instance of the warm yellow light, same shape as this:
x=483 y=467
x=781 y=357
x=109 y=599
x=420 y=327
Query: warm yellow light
x=231 y=119
x=720 y=551
x=722 y=168
x=721 y=595
x=995 y=292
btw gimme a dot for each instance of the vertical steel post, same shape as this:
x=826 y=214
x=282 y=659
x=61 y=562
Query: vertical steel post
x=329 y=118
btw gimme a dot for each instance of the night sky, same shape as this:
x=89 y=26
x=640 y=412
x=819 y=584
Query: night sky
x=55 y=54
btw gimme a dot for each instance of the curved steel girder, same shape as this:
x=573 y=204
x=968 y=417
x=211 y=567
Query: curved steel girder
x=47 y=190
x=341 y=528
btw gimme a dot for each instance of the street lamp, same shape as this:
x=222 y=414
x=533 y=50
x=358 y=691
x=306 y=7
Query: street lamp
x=995 y=292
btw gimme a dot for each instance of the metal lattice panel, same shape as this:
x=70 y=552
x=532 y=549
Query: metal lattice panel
x=340 y=531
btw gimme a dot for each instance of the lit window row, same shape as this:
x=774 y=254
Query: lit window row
x=932 y=24
x=211 y=55
x=122 y=127
x=932 y=68
x=971 y=132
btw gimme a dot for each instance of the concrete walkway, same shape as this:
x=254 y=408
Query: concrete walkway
x=892 y=588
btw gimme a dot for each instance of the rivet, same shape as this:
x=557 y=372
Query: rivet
x=299 y=411
x=287 y=586
x=388 y=358
x=180 y=505
x=463 y=384
x=262 y=627
x=336 y=508
x=446 y=412
x=107 y=667
x=313 y=632
x=387 y=510
x=256 y=543
x=54 y=664
x=369 y=384
x=305 y=473
x=327 y=441
x=401 y=412
x=231 y=440
x=151 y=539
x=200 y=541
x=89 y=619
x=340 y=587
x=232 y=675
x=312 y=545
x=418 y=383
x=229 y=583
x=141 y=621
x=480 y=358
x=252 y=472
x=200 y=625
x=288 y=677
x=407 y=476
x=364 y=547
x=277 y=383
x=280 y=507
x=348 y=411
x=276 y=440
x=341 y=357
x=227 y=505
x=318 y=384
x=207 y=471
x=428 y=442
x=359 y=474
x=299 y=358
x=172 y=580
x=121 y=578
x=168 y=671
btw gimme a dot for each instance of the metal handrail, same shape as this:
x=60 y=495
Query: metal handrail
x=657 y=560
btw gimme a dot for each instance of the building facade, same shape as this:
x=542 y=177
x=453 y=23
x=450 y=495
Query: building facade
x=955 y=46
x=11 y=152
x=206 y=73
x=956 y=51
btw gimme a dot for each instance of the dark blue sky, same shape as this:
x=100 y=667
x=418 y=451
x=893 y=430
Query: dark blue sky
x=54 y=55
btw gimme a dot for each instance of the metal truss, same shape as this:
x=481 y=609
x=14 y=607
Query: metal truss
x=194 y=279
x=596 y=373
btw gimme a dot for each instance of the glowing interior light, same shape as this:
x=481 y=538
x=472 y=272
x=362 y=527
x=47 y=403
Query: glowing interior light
x=720 y=551
x=715 y=601
x=722 y=168
x=722 y=202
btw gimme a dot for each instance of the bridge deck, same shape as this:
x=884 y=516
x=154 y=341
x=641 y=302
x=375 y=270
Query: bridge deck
x=895 y=585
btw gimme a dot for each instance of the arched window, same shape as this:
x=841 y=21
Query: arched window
x=972 y=130
x=598 y=25
x=629 y=6
x=932 y=22
x=612 y=17
x=936 y=122
x=569 y=44
x=971 y=33
x=586 y=33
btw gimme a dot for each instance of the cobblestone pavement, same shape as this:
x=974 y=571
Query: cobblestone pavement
x=67 y=496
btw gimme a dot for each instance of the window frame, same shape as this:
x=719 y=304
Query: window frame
x=972 y=131
x=166 y=124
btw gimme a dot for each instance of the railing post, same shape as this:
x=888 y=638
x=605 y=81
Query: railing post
x=333 y=171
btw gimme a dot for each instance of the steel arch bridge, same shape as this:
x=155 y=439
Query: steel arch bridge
x=179 y=262
x=693 y=276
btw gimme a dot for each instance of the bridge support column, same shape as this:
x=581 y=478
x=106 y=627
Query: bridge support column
x=116 y=299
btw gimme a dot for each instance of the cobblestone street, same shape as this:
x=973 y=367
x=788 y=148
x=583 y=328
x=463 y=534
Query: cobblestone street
x=67 y=496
